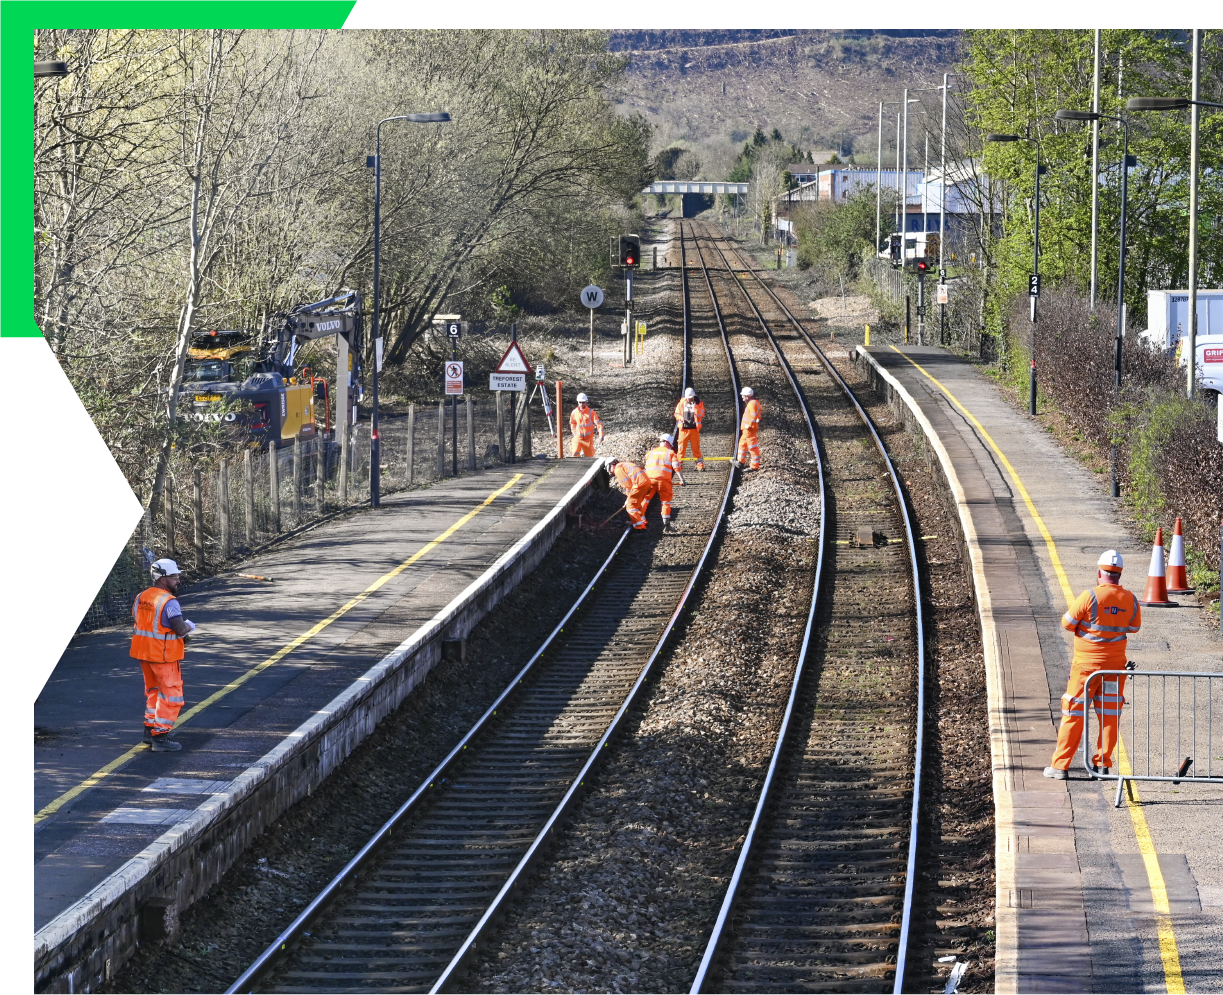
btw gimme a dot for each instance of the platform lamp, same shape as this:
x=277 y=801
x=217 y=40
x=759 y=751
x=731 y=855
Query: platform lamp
x=1126 y=162
x=375 y=161
x=1177 y=104
x=1034 y=282
x=44 y=69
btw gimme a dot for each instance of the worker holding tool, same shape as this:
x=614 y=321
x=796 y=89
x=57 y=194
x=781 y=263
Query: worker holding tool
x=637 y=486
x=158 y=642
x=689 y=413
x=583 y=423
x=660 y=463
x=749 y=425
x=1101 y=618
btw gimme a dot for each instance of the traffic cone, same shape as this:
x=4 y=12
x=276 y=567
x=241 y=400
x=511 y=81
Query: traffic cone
x=1156 y=595
x=1178 y=580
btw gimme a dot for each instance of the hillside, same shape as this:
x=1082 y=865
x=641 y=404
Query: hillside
x=709 y=90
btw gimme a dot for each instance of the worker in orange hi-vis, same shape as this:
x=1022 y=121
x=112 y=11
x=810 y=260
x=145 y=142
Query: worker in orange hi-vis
x=660 y=463
x=583 y=423
x=749 y=425
x=631 y=479
x=689 y=413
x=1101 y=619
x=158 y=642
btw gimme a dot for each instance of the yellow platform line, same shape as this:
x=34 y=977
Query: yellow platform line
x=1168 y=951
x=279 y=655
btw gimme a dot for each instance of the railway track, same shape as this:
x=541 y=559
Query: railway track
x=407 y=912
x=821 y=895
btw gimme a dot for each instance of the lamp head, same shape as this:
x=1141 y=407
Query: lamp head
x=1065 y=115
x=993 y=137
x=1156 y=104
x=42 y=69
x=428 y=118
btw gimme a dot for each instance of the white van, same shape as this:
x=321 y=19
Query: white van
x=1168 y=323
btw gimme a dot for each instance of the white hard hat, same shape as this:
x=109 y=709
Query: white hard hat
x=583 y=397
x=163 y=568
x=669 y=439
x=746 y=392
x=1110 y=560
x=690 y=392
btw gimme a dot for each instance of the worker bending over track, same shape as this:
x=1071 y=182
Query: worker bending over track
x=583 y=423
x=749 y=425
x=1101 y=619
x=660 y=463
x=689 y=413
x=636 y=485
x=158 y=642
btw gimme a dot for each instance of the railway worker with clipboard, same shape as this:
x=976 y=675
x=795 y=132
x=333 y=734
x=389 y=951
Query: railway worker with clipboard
x=689 y=414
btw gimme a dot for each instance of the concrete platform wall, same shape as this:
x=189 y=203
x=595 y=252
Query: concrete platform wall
x=142 y=901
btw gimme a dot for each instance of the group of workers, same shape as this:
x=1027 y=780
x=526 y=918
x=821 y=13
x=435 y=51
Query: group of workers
x=662 y=465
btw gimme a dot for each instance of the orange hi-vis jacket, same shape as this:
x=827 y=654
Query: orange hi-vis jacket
x=661 y=462
x=583 y=423
x=152 y=641
x=690 y=414
x=751 y=415
x=1101 y=619
x=629 y=476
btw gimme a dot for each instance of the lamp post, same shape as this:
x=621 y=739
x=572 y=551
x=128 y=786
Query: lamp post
x=1126 y=163
x=375 y=449
x=1174 y=104
x=879 y=180
x=45 y=69
x=1034 y=283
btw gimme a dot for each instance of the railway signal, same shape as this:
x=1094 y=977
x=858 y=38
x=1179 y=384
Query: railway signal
x=630 y=251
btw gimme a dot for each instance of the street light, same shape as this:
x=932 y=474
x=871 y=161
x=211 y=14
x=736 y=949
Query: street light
x=1176 y=104
x=45 y=69
x=375 y=449
x=1068 y=115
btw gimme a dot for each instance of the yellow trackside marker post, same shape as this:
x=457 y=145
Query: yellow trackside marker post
x=280 y=654
x=868 y=335
x=1168 y=951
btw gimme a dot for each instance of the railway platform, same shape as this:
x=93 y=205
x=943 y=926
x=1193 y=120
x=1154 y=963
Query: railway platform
x=1090 y=897
x=285 y=675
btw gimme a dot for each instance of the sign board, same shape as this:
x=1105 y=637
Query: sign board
x=942 y=273
x=940 y=294
x=513 y=362
x=454 y=377
x=539 y=373
x=454 y=329
x=507 y=381
x=1033 y=284
x=592 y=296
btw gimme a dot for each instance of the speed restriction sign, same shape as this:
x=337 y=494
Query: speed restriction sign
x=454 y=377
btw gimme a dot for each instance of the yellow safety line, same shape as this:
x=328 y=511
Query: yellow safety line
x=1146 y=845
x=280 y=654
x=1067 y=591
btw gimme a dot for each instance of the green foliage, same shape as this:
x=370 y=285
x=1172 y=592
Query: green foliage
x=504 y=308
x=834 y=235
x=761 y=145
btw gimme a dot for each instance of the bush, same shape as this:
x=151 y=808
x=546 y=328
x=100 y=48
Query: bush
x=833 y=235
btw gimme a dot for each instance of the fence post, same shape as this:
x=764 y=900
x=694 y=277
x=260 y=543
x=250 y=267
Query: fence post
x=526 y=428
x=908 y=299
x=471 y=434
x=223 y=507
x=249 y=467
x=274 y=486
x=297 y=480
x=197 y=509
x=169 y=512
x=501 y=450
x=411 y=443
x=560 y=418
x=441 y=439
x=320 y=475
x=344 y=443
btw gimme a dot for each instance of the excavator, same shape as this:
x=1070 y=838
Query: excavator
x=255 y=390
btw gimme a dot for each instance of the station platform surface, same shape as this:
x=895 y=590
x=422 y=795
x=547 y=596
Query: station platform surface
x=341 y=595
x=1083 y=911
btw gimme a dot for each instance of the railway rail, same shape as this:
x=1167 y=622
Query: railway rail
x=821 y=896
x=407 y=912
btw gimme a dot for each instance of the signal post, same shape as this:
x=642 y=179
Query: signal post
x=628 y=256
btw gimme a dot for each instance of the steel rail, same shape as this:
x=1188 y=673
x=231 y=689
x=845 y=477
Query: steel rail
x=919 y=721
x=283 y=945
x=732 y=891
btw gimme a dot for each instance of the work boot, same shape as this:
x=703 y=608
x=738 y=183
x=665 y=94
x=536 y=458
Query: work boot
x=1057 y=774
x=666 y=525
x=640 y=526
x=736 y=463
x=700 y=466
x=1097 y=769
x=164 y=744
x=148 y=736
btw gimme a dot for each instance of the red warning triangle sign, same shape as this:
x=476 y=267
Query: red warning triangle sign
x=513 y=361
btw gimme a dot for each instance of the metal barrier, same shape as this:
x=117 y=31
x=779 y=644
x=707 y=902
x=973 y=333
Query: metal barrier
x=1174 y=725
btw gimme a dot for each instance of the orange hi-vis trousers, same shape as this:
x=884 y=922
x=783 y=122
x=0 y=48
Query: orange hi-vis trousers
x=1107 y=697
x=690 y=437
x=582 y=447
x=637 y=501
x=163 y=695
x=665 y=491
x=749 y=444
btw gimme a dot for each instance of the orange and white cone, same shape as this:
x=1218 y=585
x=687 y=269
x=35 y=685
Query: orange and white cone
x=1178 y=579
x=1156 y=595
